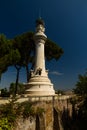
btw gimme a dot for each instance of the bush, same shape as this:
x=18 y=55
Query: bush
x=4 y=124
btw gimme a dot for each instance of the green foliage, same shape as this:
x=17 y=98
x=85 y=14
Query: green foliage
x=4 y=124
x=28 y=110
x=52 y=50
x=14 y=56
x=20 y=88
x=81 y=85
x=5 y=47
x=83 y=108
x=20 y=51
x=81 y=101
x=25 y=45
x=60 y=92
x=40 y=110
x=12 y=88
x=8 y=115
x=8 y=111
x=5 y=92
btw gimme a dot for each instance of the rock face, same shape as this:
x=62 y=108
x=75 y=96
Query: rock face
x=49 y=119
x=39 y=83
x=54 y=113
x=25 y=124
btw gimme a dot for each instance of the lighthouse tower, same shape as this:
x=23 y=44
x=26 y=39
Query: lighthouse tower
x=39 y=83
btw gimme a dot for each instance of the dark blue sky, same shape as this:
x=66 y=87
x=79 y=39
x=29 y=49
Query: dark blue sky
x=66 y=24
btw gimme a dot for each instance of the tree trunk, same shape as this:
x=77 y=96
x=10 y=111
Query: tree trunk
x=17 y=79
x=27 y=72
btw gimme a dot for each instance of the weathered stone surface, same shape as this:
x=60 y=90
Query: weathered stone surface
x=46 y=119
x=25 y=124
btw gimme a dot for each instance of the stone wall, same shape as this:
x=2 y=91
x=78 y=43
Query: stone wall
x=25 y=124
x=50 y=119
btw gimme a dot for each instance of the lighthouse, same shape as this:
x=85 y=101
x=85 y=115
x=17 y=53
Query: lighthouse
x=39 y=83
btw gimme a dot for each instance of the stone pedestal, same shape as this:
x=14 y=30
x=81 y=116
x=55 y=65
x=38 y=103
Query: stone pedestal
x=39 y=85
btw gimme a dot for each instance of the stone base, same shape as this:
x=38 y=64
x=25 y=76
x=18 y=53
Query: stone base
x=39 y=85
x=40 y=93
